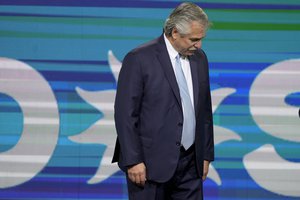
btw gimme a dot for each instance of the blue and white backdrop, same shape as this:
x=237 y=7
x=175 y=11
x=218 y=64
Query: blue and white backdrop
x=59 y=63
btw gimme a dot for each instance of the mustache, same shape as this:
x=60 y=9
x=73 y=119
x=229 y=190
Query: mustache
x=193 y=50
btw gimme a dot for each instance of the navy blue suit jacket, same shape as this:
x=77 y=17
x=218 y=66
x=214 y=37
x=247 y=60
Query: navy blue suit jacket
x=148 y=111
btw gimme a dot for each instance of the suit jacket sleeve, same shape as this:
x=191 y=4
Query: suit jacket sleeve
x=127 y=110
x=209 y=135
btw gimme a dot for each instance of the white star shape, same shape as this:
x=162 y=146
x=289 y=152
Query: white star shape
x=103 y=131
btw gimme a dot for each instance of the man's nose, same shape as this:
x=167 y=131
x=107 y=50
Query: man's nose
x=198 y=44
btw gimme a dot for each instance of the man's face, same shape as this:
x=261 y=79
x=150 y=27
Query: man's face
x=187 y=44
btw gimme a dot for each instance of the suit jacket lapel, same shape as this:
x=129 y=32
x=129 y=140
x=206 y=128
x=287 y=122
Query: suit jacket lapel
x=163 y=57
x=195 y=78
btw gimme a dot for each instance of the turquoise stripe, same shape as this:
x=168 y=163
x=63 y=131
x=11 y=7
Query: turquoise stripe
x=65 y=149
x=252 y=46
x=148 y=13
x=253 y=35
x=72 y=161
x=57 y=85
x=97 y=49
x=63 y=67
x=236 y=57
x=11 y=123
x=72 y=105
x=73 y=123
x=79 y=29
x=62 y=49
x=217 y=73
x=234 y=109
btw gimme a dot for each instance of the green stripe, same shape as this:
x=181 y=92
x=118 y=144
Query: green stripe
x=255 y=26
x=20 y=34
x=254 y=11
x=147 y=23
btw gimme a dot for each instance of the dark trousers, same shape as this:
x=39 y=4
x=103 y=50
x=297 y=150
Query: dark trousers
x=184 y=185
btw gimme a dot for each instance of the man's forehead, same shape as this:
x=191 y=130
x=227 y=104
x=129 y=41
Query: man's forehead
x=196 y=35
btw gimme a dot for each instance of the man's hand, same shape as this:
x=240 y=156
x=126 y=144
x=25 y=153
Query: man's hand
x=205 y=169
x=137 y=174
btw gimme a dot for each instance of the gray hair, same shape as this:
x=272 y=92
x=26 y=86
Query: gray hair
x=182 y=16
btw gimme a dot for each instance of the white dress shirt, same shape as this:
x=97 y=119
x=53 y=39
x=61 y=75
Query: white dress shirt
x=185 y=64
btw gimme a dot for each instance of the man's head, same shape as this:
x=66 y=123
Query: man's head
x=186 y=27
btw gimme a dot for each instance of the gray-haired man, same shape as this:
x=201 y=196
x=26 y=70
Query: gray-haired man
x=163 y=112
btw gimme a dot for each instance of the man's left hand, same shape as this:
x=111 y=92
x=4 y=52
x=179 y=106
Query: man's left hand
x=205 y=169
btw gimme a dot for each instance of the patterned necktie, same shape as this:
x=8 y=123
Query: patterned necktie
x=188 y=132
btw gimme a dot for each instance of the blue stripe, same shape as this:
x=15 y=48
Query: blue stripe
x=78 y=76
x=144 y=4
x=93 y=62
x=54 y=16
x=293 y=99
x=237 y=66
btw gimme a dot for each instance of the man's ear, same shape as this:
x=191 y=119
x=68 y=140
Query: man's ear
x=175 y=33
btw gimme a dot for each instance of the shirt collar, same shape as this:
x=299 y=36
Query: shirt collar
x=172 y=52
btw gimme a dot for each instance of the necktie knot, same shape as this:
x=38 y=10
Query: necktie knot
x=180 y=56
x=177 y=57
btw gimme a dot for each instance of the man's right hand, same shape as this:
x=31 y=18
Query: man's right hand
x=137 y=174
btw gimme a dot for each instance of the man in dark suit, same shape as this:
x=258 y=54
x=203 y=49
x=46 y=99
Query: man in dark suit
x=163 y=112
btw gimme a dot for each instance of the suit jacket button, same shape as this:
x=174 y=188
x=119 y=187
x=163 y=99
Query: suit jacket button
x=180 y=124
